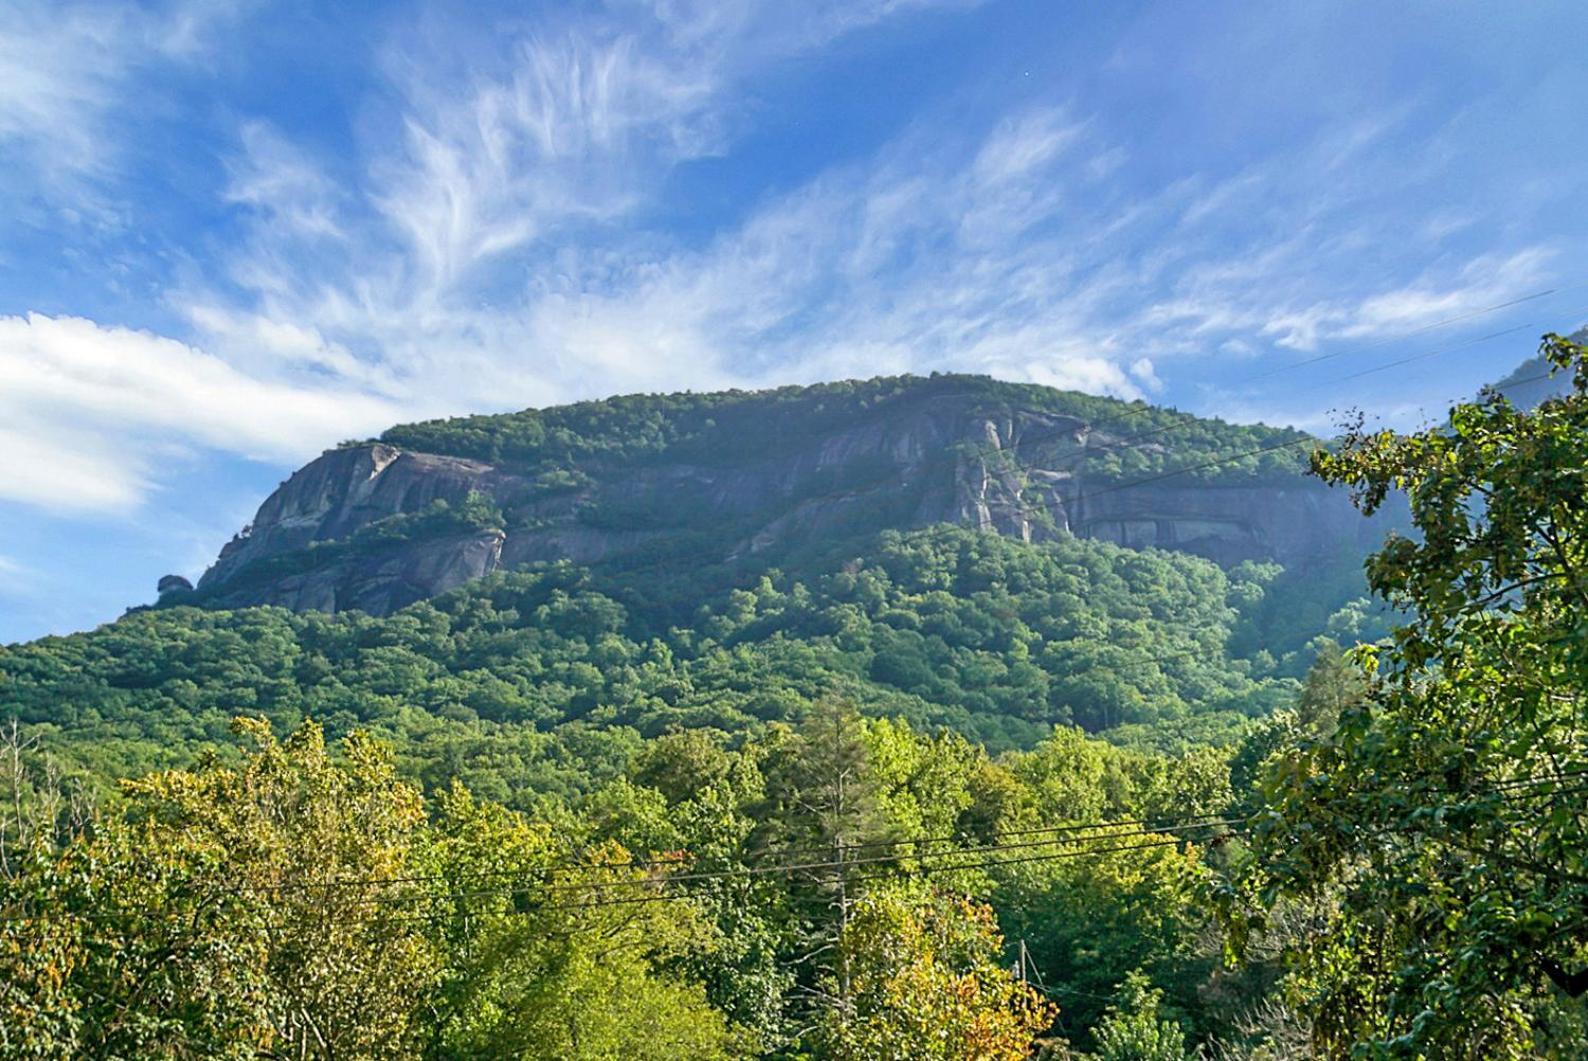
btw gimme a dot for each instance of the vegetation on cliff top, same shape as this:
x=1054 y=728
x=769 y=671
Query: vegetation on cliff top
x=728 y=427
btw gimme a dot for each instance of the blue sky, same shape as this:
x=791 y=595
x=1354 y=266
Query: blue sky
x=235 y=233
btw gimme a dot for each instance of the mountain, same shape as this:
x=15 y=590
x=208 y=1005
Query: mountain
x=520 y=600
x=759 y=479
x=1531 y=383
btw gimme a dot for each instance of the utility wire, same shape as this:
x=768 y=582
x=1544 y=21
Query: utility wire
x=754 y=870
x=1231 y=828
x=789 y=869
x=1158 y=824
x=1075 y=847
x=663 y=896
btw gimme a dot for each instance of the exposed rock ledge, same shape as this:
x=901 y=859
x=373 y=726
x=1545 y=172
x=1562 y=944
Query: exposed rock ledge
x=995 y=484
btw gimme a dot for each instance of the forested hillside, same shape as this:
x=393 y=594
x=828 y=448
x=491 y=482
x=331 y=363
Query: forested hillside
x=545 y=680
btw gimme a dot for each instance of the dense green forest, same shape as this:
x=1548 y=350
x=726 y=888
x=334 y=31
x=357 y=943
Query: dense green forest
x=647 y=919
x=932 y=794
x=545 y=680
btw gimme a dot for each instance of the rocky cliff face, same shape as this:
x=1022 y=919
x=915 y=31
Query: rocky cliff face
x=914 y=463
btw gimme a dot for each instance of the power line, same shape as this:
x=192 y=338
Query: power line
x=549 y=869
x=753 y=870
x=1398 y=362
x=1076 y=847
x=1158 y=824
x=662 y=896
x=1232 y=828
x=1081 y=852
x=925 y=871
x=1079 y=844
x=790 y=869
x=777 y=869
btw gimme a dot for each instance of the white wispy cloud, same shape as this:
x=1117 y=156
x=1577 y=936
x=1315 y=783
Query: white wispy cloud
x=64 y=73
x=570 y=132
x=519 y=163
x=88 y=414
x=274 y=177
x=997 y=251
x=369 y=303
x=1483 y=281
x=56 y=75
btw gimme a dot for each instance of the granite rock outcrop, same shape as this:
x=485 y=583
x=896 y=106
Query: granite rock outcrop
x=914 y=463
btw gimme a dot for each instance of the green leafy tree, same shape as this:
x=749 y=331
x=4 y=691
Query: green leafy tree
x=926 y=982
x=1088 y=919
x=224 y=911
x=1334 y=683
x=1439 y=827
x=1133 y=1030
x=543 y=960
x=324 y=844
x=822 y=811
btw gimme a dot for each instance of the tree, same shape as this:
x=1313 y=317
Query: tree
x=101 y=933
x=322 y=847
x=1441 y=824
x=1334 y=683
x=1087 y=920
x=543 y=961
x=821 y=810
x=1065 y=772
x=926 y=982
x=1131 y=1030
x=222 y=911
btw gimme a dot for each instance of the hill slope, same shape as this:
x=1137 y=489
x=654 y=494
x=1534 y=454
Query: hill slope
x=533 y=681
x=752 y=480
x=1531 y=383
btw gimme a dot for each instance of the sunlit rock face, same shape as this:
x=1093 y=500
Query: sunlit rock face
x=317 y=542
